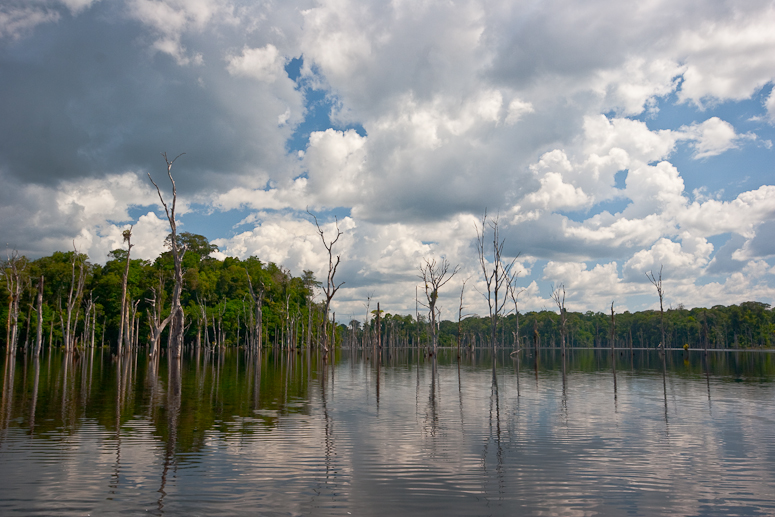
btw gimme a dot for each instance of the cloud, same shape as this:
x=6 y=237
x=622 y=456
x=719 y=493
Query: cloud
x=517 y=110
x=587 y=287
x=769 y=104
x=335 y=161
x=171 y=19
x=264 y=64
x=17 y=19
x=713 y=137
x=420 y=116
x=727 y=57
x=89 y=213
x=679 y=261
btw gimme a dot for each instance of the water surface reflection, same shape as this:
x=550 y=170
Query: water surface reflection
x=376 y=433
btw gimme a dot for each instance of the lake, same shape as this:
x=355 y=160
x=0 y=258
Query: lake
x=283 y=433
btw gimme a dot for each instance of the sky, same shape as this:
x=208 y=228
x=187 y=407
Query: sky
x=610 y=139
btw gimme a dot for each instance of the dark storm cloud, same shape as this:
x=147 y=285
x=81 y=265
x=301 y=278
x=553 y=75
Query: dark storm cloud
x=86 y=97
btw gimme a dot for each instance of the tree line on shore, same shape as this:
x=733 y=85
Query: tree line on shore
x=63 y=300
x=186 y=295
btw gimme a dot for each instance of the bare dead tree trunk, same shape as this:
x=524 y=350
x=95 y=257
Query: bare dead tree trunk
x=14 y=266
x=128 y=239
x=309 y=324
x=558 y=295
x=331 y=286
x=88 y=317
x=155 y=322
x=333 y=330
x=74 y=296
x=495 y=271
x=657 y=282
x=379 y=328
x=39 y=310
x=613 y=345
x=434 y=276
x=203 y=318
x=177 y=317
x=460 y=317
x=131 y=335
x=514 y=293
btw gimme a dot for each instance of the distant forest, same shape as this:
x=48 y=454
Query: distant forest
x=83 y=300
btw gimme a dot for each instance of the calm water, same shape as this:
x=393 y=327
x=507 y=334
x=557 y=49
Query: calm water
x=287 y=434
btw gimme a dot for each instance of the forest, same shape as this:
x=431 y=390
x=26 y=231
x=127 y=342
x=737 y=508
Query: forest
x=234 y=302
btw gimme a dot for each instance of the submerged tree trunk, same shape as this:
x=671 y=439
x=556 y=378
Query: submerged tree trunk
x=177 y=317
x=14 y=284
x=123 y=317
x=434 y=276
x=155 y=322
x=496 y=272
x=39 y=333
x=331 y=286
x=73 y=299
x=258 y=300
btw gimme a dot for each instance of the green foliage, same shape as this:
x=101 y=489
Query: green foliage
x=219 y=307
x=215 y=296
x=748 y=325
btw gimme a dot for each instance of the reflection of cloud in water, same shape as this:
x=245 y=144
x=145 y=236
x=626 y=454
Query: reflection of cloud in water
x=455 y=446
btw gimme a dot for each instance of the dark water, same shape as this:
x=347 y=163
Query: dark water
x=290 y=434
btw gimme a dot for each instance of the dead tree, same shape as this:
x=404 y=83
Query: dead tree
x=434 y=276
x=514 y=294
x=156 y=324
x=613 y=345
x=14 y=269
x=367 y=322
x=657 y=282
x=331 y=286
x=73 y=298
x=460 y=317
x=177 y=317
x=128 y=239
x=39 y=310
x=495 y=271
x=258 y=300
x=90 y=306
x=558 y=295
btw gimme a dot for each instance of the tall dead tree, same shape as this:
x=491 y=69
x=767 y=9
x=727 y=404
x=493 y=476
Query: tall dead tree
x=331 y=286
x=460 y=317
x=73 y=300
x=13 y=270
x=434 y=276
x=514 y=294
x=657 y=282
x=128 y=239
x=495 y=271
x=558 y=295
x=613 y=345
x=155 y=322
x=258 y=300
x=177 y=318
x=39 y=310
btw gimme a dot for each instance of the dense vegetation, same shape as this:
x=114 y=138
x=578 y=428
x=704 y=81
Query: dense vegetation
x=219 y=307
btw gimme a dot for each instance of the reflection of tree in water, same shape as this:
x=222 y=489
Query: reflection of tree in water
x=329 y=446
x=432 y=413
x=707 y=380
x=126 y=366
x=35 y=385
x=460 y=398
x=6 y=407
x=495 y=432
x=174 y=389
